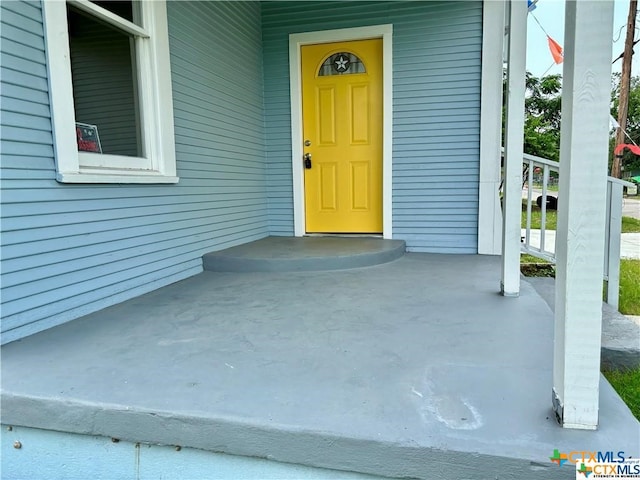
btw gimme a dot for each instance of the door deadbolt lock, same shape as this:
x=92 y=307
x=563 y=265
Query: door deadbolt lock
x=307 y=143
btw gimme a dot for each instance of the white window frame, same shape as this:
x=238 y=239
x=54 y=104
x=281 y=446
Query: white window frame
x=158 y=161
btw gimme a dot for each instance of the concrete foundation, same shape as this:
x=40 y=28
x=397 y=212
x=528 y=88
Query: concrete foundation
x=48 y=455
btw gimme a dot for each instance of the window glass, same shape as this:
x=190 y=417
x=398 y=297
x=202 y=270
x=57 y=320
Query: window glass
x=123 y=9
x=104 y=84
x=342 y=63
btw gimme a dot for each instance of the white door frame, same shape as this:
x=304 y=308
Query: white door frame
x=342 y=35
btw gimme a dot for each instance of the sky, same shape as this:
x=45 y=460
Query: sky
x=550 y=13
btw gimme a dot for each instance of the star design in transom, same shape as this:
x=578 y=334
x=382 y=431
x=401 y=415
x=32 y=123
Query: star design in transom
x=341 y=63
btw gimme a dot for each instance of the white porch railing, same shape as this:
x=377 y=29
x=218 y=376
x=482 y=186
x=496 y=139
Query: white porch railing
x=530 y=164
x=541 y=243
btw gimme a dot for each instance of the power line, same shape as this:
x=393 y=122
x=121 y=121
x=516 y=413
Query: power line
x=539 y=24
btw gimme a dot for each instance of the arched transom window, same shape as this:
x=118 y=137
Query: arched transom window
x=341 y=63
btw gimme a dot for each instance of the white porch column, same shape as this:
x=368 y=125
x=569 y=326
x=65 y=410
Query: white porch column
x=582 y=206
x=514 y=148
x=489 y=211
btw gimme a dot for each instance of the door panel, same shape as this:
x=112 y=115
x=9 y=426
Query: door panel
x=328 y=186
x=359 y=120
x=342 y=131
x=360 y=186
x=326 y=112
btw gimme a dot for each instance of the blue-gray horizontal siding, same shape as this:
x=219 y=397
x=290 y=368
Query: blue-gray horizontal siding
x=68 y=250
x=436 y=112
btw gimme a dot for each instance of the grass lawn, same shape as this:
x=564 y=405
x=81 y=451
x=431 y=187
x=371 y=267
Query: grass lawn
x=536 y=217
x=525 y=258
x=629 y=286
x=531 y=266
x=627 y=384
x=550 y=188
x=630 y=225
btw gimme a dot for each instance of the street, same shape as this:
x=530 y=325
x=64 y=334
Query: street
x=630 y=205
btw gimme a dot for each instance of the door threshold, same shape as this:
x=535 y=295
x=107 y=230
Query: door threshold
x=345 y=235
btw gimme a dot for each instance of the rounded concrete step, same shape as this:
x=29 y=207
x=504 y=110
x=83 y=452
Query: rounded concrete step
x=294 y=254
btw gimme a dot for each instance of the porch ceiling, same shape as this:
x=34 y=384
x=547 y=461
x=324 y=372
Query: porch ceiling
x=402 y=369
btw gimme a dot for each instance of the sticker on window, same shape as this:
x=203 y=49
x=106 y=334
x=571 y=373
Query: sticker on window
x=87 y=138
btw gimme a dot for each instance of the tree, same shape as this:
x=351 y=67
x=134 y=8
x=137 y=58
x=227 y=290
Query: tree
x=630 y=162
x=543 y=104
x=542 y=107
x=624 y=85
x=542 y=116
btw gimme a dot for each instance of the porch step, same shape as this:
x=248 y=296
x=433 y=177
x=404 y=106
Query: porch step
x=295 y=254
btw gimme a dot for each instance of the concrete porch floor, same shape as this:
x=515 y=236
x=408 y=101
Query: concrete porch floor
x=415 y=368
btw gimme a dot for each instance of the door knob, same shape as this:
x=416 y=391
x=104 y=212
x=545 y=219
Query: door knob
x=307 y=160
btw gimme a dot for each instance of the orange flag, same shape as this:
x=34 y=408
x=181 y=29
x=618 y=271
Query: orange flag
x=556 y=50
x=620 y=148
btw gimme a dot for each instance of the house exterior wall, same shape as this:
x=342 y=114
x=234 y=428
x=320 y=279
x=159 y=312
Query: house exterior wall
x=436 y=113
x=51 y=454
x=68 y=250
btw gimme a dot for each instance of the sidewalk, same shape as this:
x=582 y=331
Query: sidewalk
x=620 y=333
x=631 y=207
x=635 y=318
x=630 y=204
x=629 y=243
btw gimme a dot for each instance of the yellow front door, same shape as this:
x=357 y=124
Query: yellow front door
x=342 y=135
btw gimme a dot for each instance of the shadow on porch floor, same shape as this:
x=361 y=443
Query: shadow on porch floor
x=414 y=368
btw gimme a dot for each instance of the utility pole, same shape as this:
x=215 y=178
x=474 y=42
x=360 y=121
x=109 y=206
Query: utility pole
x=625 y=79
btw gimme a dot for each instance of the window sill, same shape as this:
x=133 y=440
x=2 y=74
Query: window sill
x=147 y=178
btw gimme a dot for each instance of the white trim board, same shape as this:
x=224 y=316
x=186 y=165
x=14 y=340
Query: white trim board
x=296 y=41
x=489 y=209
